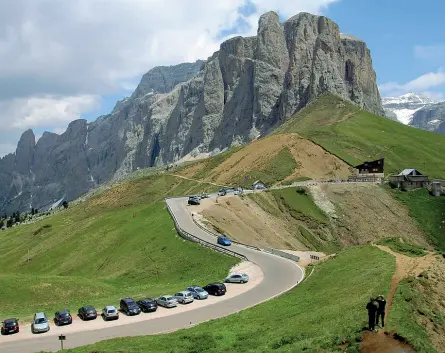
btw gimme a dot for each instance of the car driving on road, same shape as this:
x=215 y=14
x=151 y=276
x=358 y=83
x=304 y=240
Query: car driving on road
x=129 y=307
x=10 y=326
x=87 y=313
x=147 y=305
x=40 y=323
x=237 y=278
x=193 y=200
x=216 y=289
x=198 y=292
x=184 y=297
x=110 y=313
x=223 y=240
x=63 y=317
x=167 y=301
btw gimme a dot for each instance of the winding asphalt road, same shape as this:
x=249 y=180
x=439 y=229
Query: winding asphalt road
x=280 y=275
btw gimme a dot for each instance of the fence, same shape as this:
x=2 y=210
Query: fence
x=191 y=237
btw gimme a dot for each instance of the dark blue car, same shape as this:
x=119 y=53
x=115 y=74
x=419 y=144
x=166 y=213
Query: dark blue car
x=222 y=240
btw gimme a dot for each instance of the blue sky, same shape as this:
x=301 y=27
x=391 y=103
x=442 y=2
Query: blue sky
x=66 y=60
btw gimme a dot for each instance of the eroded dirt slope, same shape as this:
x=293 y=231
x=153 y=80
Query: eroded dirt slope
x=312 y=161
x=356 y=214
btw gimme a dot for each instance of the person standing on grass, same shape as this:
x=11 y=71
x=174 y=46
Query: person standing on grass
x=372 y=308
x=381 y=310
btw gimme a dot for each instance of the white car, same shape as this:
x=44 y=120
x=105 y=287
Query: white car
x=110 y=313
x=167 y=301
x=237 y=278
x=184 y=297
x=40 y=323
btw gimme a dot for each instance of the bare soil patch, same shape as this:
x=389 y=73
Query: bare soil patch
x=312 y=160
x=244 y=221
x=382 y=343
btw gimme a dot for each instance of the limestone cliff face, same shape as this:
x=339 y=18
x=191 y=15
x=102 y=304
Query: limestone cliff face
x=242 y=91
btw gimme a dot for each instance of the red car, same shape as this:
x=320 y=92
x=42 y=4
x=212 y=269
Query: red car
x=10 y=326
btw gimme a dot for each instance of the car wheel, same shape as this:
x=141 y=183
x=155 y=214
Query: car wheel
x=241 y=282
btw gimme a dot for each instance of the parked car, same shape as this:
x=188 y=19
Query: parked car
x=198 y=292
x=147 y=305
x=216 y=289
x=129 y=306
x=10 y=326
x=237 y=278
x=40 y=323
x=110 y=313
x=167 y=301
x=87 y=313
x=222 y=192
x=223 y=240
x=63 y=317
x=194 y=201
x=205 y=196
x=184 y=297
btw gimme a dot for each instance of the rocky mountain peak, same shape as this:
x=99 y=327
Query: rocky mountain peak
x=244 y=90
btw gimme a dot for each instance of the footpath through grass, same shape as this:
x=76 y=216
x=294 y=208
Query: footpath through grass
x=357 y=136
x=402 y=247
x=320 y=314
x=119 y=243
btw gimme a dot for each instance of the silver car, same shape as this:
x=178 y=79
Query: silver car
x=237 y=278
x=184 y=297
x=40 y=323
x=198 y=292
x=167 y=301
x=110 y=313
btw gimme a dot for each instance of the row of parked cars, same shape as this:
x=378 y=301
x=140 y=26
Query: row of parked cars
x=127 y=306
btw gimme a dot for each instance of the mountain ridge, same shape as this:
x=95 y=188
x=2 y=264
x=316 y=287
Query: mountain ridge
x=242 y=91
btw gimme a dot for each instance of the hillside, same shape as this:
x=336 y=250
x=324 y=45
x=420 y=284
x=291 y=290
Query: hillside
x=350 y=214
x=121 y=242
x=277 y=158
x=356 y=136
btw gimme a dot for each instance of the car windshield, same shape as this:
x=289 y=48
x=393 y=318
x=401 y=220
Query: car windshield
x=64 y=314
x=90 y=311
x=10 y=323
x=199 y=290
x=40 y=320
x=168 y=298
x=111 y=311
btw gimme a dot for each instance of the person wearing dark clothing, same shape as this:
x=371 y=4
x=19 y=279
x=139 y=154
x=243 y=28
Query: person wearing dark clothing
x=380 y=311
x=372 y=308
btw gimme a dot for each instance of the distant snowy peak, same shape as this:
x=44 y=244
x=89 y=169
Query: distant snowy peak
x=404 y=106
x=407 y=99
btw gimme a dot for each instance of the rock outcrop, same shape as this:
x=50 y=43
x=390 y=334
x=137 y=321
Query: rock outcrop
x=241 y=92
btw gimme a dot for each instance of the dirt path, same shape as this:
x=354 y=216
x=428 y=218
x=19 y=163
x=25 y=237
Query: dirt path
x=405 y=266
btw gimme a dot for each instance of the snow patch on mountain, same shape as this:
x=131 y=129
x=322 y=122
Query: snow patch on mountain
x=404 y=106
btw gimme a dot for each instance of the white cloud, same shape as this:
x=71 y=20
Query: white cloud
x=58 y=56
x=423 y=83
x=35 y=112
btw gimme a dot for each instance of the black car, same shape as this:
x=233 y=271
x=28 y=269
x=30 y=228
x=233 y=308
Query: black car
x=147 y=305
x=194 y=201
x=10 y=326
x=87 y=313
x=129 y=306
x=63 y=317
x=215 y=288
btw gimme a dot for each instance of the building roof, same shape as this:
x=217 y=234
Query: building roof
x=409 y=172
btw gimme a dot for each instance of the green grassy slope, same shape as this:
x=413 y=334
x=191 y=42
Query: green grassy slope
x=428 y=211
x=357 y=136
x=323 y=312
x=119 y=243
